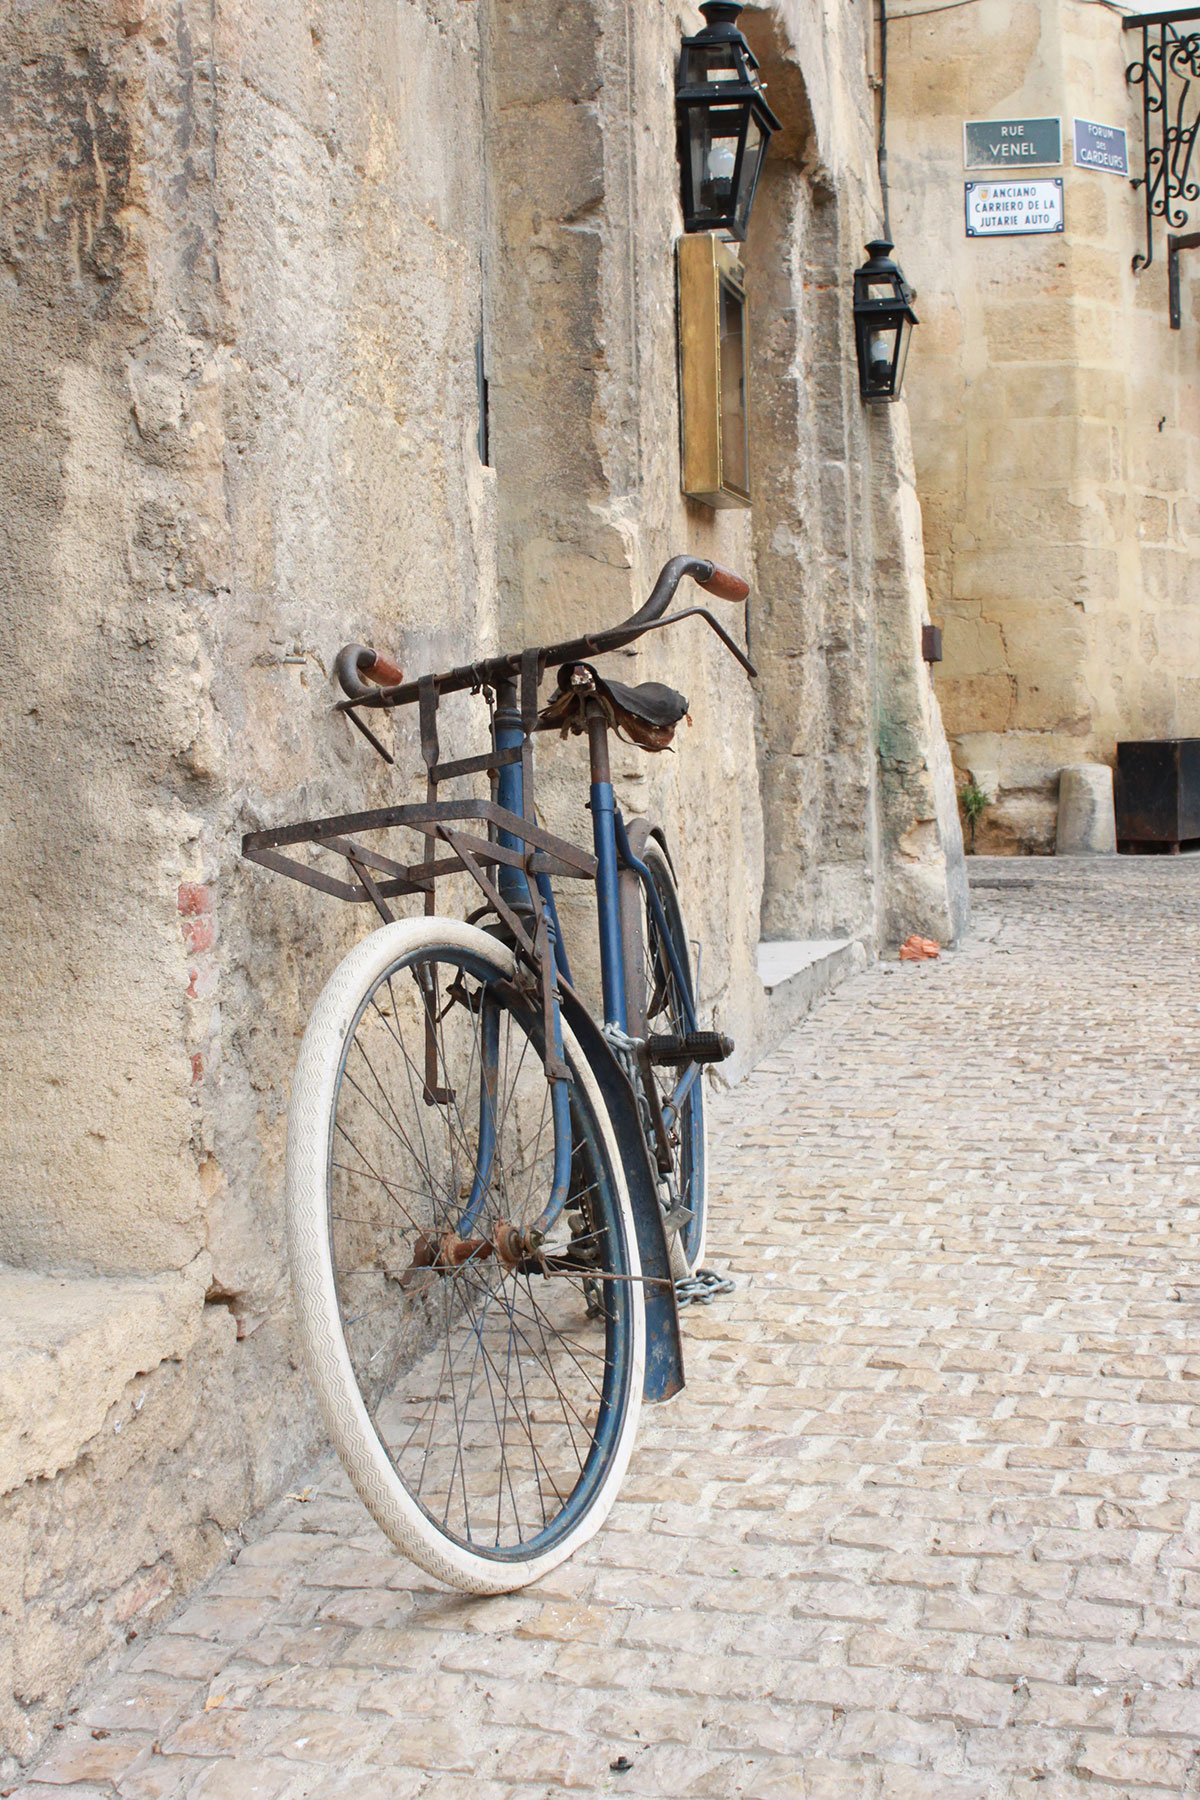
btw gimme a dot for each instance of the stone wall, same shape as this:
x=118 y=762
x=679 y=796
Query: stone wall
x=246 y=256
x=1054 y=417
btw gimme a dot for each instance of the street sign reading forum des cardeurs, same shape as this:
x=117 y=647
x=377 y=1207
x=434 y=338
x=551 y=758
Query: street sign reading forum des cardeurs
x=1011 y=143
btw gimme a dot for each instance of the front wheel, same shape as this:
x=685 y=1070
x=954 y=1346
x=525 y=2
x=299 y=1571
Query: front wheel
x=484 y=1408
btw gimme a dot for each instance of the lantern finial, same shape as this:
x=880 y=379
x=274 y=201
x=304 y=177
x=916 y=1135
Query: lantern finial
x=720 y=12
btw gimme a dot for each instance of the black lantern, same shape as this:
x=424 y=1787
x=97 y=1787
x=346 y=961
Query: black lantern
x=883 y=322
x=724 y=124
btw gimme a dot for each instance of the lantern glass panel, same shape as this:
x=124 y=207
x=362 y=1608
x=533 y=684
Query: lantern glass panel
x=703 y=63
x=901 y=353
x=714 y=134
x=752 y=159
x=881 y=352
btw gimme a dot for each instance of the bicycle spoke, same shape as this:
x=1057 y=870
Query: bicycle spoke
x=505 y=1474
x=375 y=1175
x=526 y=1424
x=536 y=1317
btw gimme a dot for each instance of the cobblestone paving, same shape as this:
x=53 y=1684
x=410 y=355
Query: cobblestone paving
x=926 y=1522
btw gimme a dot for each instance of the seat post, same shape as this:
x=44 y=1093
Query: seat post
x=597 y=734
x=604 y=838
x=510 y=793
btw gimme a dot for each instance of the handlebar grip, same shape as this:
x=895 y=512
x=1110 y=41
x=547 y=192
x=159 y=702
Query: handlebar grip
x=385 y=673
x=355 y=660
x=726 y=585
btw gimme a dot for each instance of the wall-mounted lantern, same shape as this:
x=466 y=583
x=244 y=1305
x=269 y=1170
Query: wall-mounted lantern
x=724 y=124
x=883 y=322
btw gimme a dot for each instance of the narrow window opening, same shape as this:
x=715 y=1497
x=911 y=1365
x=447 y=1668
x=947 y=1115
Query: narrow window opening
x=482 y=387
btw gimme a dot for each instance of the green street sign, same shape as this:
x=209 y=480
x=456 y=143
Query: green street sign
x=1011 y=143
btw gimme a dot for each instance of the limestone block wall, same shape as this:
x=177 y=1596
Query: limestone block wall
x=1055 y=417
x=241 y=292
x=247 y=254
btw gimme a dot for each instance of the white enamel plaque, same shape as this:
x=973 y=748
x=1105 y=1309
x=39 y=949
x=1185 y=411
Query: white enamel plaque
x=1014 y=208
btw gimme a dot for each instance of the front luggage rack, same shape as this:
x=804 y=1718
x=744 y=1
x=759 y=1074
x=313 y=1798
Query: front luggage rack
x=375 y=878
x=546 y=855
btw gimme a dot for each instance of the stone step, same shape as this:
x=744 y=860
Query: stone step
x=795 y=973
x=68 y=1348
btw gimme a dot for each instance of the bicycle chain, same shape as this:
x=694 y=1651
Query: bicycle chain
x=702 y=1288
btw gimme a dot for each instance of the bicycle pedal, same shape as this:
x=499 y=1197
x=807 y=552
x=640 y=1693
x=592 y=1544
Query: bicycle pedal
x=691 y=1047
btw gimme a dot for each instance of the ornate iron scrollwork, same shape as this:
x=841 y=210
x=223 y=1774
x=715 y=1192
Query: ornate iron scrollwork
x=1169 y=77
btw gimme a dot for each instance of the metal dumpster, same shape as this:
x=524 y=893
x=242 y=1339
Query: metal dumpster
x=1157 y=794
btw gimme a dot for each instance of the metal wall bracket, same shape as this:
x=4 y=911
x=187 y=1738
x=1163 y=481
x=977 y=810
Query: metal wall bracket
x=1174 y=245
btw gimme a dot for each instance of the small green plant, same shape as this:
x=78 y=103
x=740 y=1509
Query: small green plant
x=974 y=802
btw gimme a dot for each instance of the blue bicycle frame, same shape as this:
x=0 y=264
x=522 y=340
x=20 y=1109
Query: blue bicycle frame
x=613 y=852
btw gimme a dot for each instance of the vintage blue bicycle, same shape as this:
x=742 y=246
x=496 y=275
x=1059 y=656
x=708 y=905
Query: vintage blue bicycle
x=491 y=1197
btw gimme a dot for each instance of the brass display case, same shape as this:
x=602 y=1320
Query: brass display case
x=714 y=353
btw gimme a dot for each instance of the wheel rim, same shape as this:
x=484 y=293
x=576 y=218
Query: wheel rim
x=497 y=1393
x=668 y=1014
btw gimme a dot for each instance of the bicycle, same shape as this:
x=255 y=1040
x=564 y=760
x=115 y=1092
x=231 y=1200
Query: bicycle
x=491 y=1198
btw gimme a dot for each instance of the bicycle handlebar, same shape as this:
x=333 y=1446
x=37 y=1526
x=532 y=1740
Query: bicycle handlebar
x=352 y=660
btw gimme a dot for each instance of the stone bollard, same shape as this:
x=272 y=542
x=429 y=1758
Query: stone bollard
x=1086 y=821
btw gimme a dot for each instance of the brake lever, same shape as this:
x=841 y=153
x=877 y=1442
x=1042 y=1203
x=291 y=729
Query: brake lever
x=347 y=707
x=702 y=612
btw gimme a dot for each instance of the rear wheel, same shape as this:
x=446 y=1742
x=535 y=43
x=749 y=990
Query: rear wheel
x=669 y=1010
x=484 y=1408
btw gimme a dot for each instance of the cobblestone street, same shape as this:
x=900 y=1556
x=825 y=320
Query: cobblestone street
x=926 y=1521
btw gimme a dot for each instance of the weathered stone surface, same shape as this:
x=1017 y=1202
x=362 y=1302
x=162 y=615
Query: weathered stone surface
x=148 y=1506
x=1087 y=823
x=68 y=1349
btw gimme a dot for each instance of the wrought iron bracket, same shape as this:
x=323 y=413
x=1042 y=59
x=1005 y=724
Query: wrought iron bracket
x=1169 y=77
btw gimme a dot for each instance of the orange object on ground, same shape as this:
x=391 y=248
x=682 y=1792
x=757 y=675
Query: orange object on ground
x=918 y=949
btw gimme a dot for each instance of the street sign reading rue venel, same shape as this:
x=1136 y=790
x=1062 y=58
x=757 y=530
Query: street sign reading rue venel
x=1011 y=143
x=1100 y=147
x=1014 y=208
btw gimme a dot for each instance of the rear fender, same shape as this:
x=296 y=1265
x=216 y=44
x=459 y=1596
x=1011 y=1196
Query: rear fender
x=640 y=832
x=664 y=1346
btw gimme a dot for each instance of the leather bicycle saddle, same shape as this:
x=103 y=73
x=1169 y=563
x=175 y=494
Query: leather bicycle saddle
x=647 y=714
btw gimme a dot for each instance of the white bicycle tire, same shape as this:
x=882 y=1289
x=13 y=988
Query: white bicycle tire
x=310 y=1127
